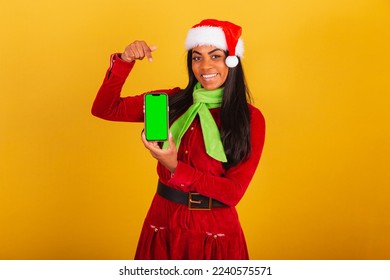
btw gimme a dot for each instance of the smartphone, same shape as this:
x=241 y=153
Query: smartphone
x=156 y=116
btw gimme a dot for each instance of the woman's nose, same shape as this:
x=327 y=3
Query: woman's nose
x=206 y=63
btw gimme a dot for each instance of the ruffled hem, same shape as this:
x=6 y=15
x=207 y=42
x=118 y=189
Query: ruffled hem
x=159 y=243
x=168 y=236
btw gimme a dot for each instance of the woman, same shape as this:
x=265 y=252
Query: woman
x=213 y=150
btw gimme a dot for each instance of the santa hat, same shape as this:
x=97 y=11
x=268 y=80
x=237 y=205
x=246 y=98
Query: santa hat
x=221 y=34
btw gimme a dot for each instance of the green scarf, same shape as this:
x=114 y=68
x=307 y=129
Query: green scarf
x=203 y=101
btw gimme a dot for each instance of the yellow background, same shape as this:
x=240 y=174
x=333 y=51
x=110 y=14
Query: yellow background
x=76 y=187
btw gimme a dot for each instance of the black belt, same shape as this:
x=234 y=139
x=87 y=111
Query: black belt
x=194 y=201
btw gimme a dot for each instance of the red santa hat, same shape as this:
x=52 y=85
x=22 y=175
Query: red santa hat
x=221 y=34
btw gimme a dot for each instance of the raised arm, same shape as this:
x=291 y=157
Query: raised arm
x=109 y=104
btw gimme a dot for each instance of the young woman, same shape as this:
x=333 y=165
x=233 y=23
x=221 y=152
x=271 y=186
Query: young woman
x=213 y=150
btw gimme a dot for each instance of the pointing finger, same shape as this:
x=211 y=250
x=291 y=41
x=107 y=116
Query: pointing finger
x=148 y=52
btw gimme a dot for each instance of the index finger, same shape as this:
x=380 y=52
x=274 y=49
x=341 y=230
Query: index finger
x=148 y=52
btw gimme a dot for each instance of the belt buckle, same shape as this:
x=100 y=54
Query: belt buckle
x=194 y=204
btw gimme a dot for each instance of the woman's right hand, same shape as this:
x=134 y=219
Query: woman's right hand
x=167 y=157
x=138 y=50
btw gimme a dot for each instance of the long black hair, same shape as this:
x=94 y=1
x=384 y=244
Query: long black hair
x=234 y=114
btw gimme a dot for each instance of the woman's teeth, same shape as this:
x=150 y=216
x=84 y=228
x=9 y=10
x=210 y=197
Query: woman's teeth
x=209 y=76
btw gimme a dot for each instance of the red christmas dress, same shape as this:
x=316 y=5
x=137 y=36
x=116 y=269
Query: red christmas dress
x=171 y=230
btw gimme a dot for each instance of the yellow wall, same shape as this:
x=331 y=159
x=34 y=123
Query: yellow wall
x=76 y=187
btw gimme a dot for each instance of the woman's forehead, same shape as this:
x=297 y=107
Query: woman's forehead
x=205 y=48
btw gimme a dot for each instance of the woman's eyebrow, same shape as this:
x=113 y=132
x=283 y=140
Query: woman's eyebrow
x=214 y=50
x=210 y=52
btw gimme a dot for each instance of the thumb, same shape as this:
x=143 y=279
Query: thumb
x=171 y=141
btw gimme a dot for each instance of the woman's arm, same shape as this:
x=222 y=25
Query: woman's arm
x=108 y=103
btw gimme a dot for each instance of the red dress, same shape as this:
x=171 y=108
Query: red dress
x=171 y=230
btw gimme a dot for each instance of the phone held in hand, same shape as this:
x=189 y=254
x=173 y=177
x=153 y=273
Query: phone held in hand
x=156 y=116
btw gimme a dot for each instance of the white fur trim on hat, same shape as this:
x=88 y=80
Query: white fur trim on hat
x=212 y=36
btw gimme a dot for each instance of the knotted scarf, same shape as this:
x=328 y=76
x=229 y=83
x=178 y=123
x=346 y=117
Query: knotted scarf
x=203 y=101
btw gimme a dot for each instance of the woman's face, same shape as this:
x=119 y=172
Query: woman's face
x=208 y=65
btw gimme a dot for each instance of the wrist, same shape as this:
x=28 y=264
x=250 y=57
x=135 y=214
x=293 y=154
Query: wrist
x=172 y=168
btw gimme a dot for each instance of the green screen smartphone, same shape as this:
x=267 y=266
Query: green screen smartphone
x=156 y=116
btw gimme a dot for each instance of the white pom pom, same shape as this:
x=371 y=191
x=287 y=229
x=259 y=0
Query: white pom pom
x=231 y=61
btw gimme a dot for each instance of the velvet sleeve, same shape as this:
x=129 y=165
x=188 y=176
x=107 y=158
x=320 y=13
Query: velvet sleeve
x=109 y=104
x=230 y=187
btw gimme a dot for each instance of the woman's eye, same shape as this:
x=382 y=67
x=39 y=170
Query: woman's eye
x=216 y=56
x=196 y=58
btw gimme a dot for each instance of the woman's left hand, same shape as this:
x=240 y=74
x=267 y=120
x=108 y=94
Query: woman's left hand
x=167 y=157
